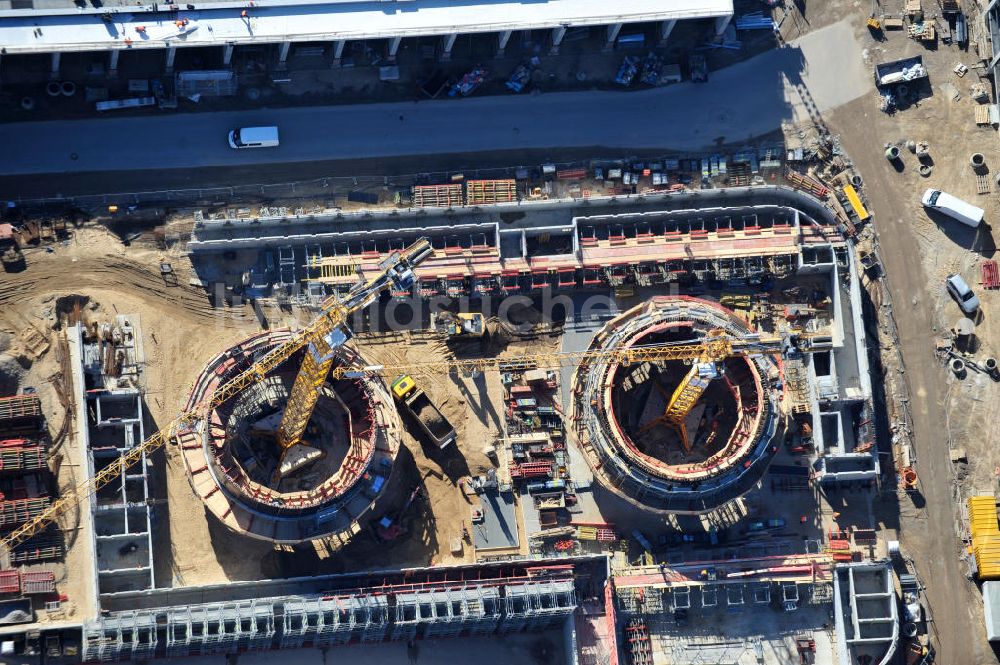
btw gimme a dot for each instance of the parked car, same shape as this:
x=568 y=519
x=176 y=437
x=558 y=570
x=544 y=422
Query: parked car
x=253 y=137
x=953 y=206
x=962 y=293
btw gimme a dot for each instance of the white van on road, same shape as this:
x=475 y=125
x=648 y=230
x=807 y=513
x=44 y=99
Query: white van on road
x=253 y=137
x=953 y=206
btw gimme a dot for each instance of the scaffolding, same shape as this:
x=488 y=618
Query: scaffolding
x=392 y=612
x=447 y=613
x=221 y=628
x=128 y=635
x=537 y=605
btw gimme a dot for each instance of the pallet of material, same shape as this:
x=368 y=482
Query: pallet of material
x=20 y=511
x=806 y=183
x=479 y=192
x=989 y=276
x=22 y=459
x=983 y=114
x=20 y=407
x=38 y=582
x=45 y=547
x=437 y=196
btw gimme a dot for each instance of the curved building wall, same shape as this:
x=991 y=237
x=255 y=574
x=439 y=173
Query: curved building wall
x=693 y=487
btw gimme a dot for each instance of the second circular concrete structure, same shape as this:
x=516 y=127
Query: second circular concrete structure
x=619 y=412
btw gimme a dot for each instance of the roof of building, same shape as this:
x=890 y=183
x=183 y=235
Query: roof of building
x=269 y=21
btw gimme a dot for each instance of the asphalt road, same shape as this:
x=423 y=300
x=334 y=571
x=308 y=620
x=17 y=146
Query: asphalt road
x=746 y=100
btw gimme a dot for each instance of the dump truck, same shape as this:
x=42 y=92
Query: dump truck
x=413 y=399
x=461 y=324
x=900 y=71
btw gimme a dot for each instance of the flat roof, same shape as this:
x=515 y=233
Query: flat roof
x=269 y=21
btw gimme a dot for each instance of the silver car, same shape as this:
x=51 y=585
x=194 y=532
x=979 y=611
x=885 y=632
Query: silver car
x=962 y=292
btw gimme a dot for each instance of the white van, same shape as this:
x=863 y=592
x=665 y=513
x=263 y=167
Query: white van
x=952 y=206
x=253 y=137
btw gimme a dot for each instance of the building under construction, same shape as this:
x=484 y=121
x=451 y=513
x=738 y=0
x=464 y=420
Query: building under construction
x=715 y=451
x=233 y=459
x=682 y=436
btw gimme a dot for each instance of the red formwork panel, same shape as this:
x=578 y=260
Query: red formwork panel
x=10 y=581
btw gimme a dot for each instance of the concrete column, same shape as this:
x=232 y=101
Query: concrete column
x=54 y=71
x=283 y=51
x=227 y=54
x=171 y=54
x=449 y=43
x=502 y=45
x=394 y=47
x=613 y=31
x=665 y=29
x=557 y=37
x=338 y=52
x=113 y=62
x=721 y=23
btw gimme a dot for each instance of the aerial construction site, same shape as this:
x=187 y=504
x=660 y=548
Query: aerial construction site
x=668 y=346
x=606 y=426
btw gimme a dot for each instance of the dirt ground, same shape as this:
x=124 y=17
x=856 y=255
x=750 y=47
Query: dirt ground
x=947 y=413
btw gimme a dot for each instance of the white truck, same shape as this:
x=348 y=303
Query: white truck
x=953 y=206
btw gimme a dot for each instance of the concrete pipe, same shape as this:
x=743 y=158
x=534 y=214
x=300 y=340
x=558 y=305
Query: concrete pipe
x=28 y=103
x=911 y=146
x=53 y=89
x=925 y=170
x=892 y=153
x=957 y=366
x=68 y=88
x=978 y=161
x=991 y=368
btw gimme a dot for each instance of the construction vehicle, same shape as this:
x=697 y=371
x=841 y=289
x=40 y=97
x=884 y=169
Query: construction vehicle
x=874 y=24
x=461 y=324
x=10 y=252
x=414 y=400
x=391 y=526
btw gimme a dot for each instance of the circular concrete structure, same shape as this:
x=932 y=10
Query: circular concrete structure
x=234 y=461
x=619 y=412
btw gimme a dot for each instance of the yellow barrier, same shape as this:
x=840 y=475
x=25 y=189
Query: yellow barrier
x=855 y=201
